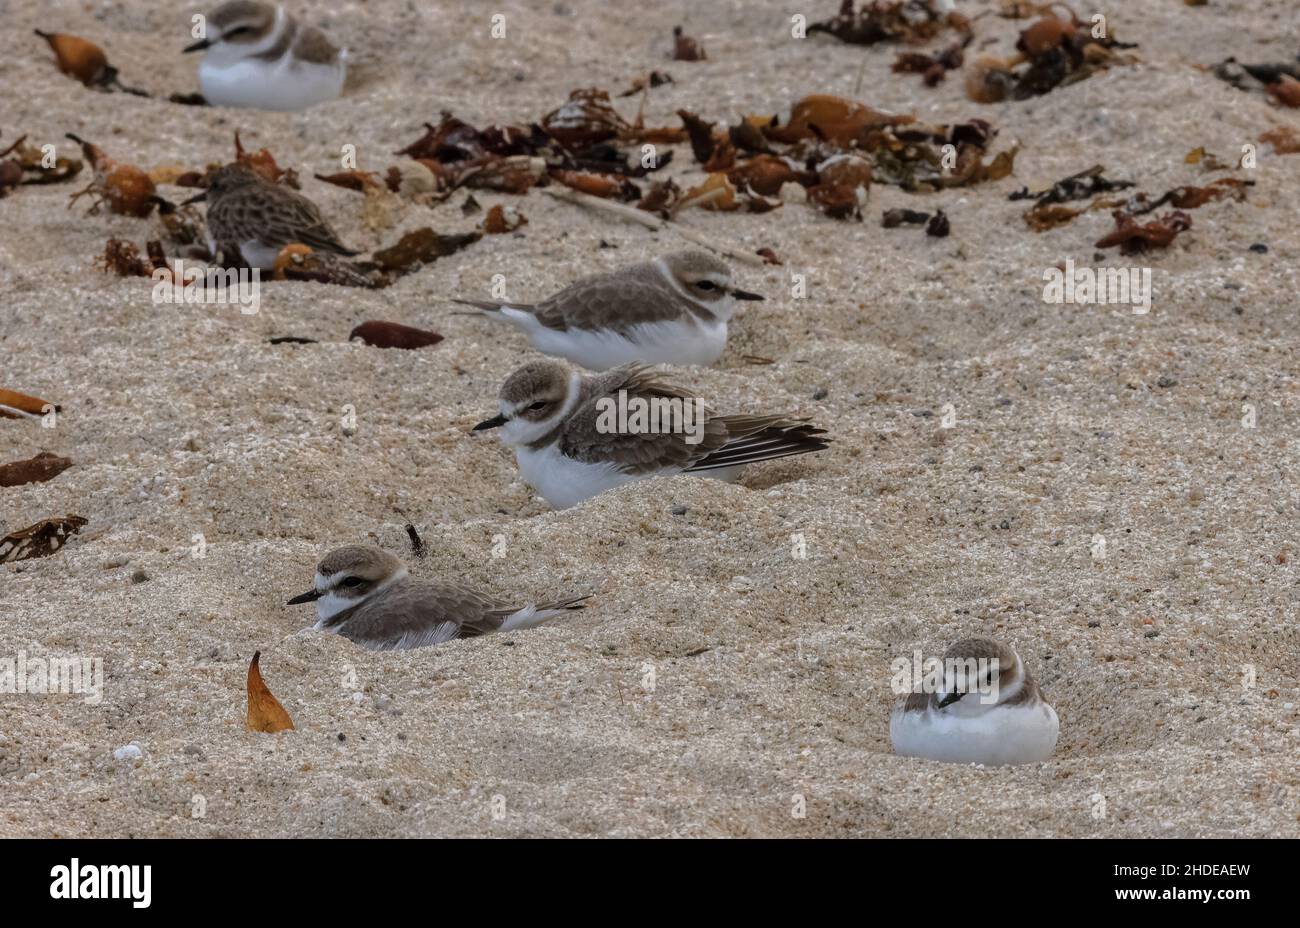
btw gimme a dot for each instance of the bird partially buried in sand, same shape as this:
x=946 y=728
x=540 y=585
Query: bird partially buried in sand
x=254 y=218
x=577 y=435
x=988 y=710
x=672 y=310
x=366 y=595
x=257 y=55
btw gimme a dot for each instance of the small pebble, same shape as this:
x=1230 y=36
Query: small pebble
x=820 y=393
x=679 y=510
x=1259 y=248
x=1152 y=634
x=128 y=752
x=115 y=562
x=1166 y=382
x=140 y=575
x=1094 y=624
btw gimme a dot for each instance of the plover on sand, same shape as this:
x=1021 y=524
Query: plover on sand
x=366 y=595
x=576 y=435
x=963 y=723
x=258 y=218
x=673 y=310
x=257 y=55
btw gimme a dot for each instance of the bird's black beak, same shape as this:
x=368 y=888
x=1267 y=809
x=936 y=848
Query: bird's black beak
x=950 y=699
x=307 y=597
x=197 y=198
x=746 y=295
x=197 y=46
x=494 y=423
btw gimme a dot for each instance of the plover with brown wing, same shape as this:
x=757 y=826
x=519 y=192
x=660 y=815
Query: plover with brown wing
x=366 y=595
x=256 y=218
x=577 y=435
x=987 y=710
x=673 y=310
x=257 y=55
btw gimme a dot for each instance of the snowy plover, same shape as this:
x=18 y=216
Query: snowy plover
x=960 y=723
x=673 y=310
x=258 y=55
x=258 y=218
x=572 y=438
x=366 y=595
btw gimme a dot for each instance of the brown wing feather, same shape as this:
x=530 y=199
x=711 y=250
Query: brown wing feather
x=633 y=296
x=414 y=610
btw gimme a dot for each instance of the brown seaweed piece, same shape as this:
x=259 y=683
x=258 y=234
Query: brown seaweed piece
x=1134 y=238
x=420 y=247
x=908 y=21
x=1079 y=186
x=44 y=466
x=686 y=48
x=379 y=334
x=39 y=540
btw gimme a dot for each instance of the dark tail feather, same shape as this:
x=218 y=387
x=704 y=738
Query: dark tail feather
x=484 y=305
x=767 y=445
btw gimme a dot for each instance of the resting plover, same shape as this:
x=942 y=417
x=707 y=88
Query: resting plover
x=257 y=55
x=569 y=447
x=366 y=595
x=963 y=724
x=258 y=218
x=673 y=310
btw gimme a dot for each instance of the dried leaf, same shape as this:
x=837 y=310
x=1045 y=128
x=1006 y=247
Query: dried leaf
x=353 y=180
x=606 y=186
x=766 y=174
x=123 y=258
x=39 y=540
x=938 y=226
x=45 y=466
x=832 y=119
x=768 y=256
x=378 y=334
x=265 y=714
x=80 y=58
x=15 y=405
x=126 y=188
x=262 y=163
x=715 y=193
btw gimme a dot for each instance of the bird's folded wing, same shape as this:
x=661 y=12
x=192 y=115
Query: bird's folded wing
x=634 y=296
x=415 y=614
x=679 y=432
x=296 y=219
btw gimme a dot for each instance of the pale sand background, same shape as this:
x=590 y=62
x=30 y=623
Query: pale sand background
x=185 y=421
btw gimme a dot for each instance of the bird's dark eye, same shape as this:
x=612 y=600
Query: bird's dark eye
x=352 y=581
x=539 y=404
x=705 y=284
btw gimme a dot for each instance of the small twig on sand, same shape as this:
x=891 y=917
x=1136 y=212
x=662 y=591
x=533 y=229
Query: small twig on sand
x=650 y=221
